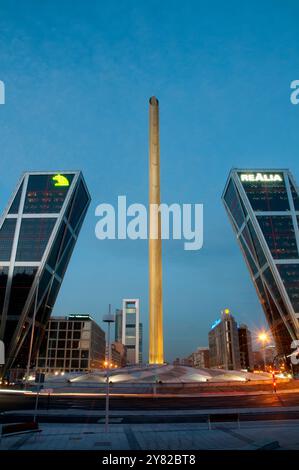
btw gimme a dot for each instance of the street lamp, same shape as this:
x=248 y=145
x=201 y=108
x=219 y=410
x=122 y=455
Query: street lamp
x=109 y=318
x=263 y=338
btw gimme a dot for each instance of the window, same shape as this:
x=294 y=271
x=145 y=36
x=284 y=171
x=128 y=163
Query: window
x=43 y=195
x=7 y=232
x=33 y=239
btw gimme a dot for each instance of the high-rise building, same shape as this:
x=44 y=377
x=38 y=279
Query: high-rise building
x=72 y=343
x=140 y=343
x=38 y=232
x=130 y=329
x=245 y=345
x=224 y=343
x=118 y=325
x=118 y=354
x=263 y=208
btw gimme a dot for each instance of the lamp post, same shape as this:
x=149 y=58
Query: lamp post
x=109 y=318
x=263 y=339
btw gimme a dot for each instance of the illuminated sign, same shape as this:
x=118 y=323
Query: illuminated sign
x=215 y=324
x=261 y=177
x=61 y=181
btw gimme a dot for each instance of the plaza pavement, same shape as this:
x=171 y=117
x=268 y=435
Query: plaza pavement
x=165 y=436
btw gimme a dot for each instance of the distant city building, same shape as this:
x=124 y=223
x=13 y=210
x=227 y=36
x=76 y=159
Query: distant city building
x=245 y=345
x=263 y=208
x=118 y=354
x=131 y=329
x=187 y=361
x=140 y=343
x=38 y=232
x=224 y=343
x=201 y=358
x=118 y=325
x=72 y=343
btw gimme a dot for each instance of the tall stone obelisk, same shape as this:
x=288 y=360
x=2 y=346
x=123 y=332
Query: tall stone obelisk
x=156 y=353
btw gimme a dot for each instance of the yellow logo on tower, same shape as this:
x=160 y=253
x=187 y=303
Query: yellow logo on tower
x=61 y=181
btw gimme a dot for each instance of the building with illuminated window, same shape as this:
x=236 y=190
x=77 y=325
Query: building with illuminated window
x=263 y=208
x=72 y=343
x=131 y=337
x=245 y=344
x=38 y=232
x=224 y=343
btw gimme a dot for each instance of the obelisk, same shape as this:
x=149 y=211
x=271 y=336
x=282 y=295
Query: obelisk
x=156 y=353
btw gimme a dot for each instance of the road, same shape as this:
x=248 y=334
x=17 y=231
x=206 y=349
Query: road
x=9 y=402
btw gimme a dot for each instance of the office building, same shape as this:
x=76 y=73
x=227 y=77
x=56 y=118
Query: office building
x=245 y=345
x=118 y=325
x=224 y=343
x=201 y=358
x=263 y=208
x=140 y=343
x=38 y=232
x=118 y=354
x=131 y=329
x=72 y=343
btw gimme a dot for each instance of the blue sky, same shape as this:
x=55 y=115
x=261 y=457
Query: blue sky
x=78 y=76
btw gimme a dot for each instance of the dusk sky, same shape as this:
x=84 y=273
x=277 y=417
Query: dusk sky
x=78 y=76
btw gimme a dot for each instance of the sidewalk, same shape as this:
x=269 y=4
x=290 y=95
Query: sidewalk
x=251 y=435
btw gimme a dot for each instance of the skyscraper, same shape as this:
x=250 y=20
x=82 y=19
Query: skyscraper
x=118 y=325
x=245 y=344
x=130 y=329
x=38 y=232
x=263 y=208
x=224 y=343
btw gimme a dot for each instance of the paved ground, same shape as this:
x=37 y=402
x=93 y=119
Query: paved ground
x=250 y=435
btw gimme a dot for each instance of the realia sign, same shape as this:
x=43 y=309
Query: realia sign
x=261 y=177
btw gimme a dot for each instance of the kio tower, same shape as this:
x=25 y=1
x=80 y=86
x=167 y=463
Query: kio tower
x=263 y=208
x=38 y=232
x=156 y=354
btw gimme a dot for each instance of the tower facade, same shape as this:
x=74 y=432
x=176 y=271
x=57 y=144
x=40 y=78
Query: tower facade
x=131 y=329
x=263 y=208
x=38 y=232
x=224 y=343
x=156 y=351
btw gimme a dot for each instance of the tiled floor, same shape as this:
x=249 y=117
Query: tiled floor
x=250 y=435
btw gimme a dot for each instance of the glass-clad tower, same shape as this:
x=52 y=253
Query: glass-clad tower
x=38 y=232
x=263 y=207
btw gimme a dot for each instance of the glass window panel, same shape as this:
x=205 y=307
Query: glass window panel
x=21 y=284
x=234 y=204
x=258 y=251
x=248 y=257
x=78 y=205
x=7 y=233
x=280 y=236
x=14 y=208
x=267 y=196
x=290 y=277
x=33 y=239
x=3 y=282
x=295 y=196
x=45 y=195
